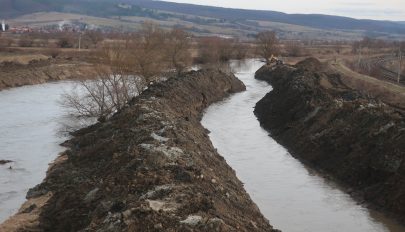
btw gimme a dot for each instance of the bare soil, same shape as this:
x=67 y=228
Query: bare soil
x=14 y=74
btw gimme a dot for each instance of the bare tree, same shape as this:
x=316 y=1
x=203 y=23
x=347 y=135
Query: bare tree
x=147 y=52
x=66 y=41
x=215 y=50
x=93 y=37
x=207 y=50
x=26 y=41
x=293 y=48
x=111 y=91
x=178 y=50
x=125 y=67
x=5 y=42
x=240 y=50
x=267 y=45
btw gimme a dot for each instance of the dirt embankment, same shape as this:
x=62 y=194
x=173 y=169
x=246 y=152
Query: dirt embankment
x=14 y=74
x=354 y=138
x=389 y=93
x=151 y=167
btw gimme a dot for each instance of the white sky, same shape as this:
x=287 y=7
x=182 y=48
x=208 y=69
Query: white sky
x=364 y=9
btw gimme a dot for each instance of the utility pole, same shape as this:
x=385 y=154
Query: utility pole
x=80 y=40
x=399 y=64
x=358 y=64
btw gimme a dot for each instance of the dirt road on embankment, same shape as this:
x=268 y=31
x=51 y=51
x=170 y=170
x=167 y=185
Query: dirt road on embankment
x=390 y=93
x=151 y=167
x=355 y=138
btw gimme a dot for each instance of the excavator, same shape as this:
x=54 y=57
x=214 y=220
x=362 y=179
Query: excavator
x=275 y=60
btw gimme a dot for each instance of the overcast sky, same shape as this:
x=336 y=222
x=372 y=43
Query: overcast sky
x=368 y=9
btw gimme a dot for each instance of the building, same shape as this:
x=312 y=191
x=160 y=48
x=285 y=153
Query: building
x=3 y=25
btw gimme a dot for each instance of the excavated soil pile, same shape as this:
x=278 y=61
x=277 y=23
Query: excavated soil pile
x=151 y=167
x=354 y=138
x=14 y=74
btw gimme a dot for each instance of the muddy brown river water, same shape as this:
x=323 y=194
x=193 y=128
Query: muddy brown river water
x=294 y=197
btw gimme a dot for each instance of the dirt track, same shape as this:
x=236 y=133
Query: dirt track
x=390 y=93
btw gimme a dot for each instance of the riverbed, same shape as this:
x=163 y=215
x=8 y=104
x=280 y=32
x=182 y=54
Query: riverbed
x=293 y=197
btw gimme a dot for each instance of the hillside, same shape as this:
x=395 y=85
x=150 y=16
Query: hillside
x=198 y=18
x=311 y=20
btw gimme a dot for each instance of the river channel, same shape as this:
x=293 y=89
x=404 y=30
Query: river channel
x=293 y=197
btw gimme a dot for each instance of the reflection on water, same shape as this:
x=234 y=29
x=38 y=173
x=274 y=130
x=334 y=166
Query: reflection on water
x=293 y=197
x=30 y=118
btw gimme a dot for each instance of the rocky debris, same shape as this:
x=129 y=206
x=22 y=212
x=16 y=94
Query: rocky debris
x=357 y=139
x=192 y=220
x=2 y=162
x=151 y=167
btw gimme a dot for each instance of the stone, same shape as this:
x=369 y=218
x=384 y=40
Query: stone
x=91 y=196
x=158 y=226
x=192 y=220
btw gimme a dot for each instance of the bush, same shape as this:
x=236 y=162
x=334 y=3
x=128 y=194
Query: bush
x=66 y=42
x=26 y=41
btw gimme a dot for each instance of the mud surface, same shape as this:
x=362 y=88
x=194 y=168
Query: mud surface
x=14 y=74
x=151 y=167
x=2 y=162
x=358 y=140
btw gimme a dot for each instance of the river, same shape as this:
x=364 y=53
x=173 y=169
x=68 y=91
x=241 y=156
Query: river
x=31 y=119
x=292 y=196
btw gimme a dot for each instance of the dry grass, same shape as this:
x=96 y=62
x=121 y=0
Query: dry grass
x=21 y=58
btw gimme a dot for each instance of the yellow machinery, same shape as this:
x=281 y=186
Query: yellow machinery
x=275 y=60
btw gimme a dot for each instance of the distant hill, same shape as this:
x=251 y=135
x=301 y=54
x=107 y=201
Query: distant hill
x=14 y=8
x=248 y=21
x=311 y=20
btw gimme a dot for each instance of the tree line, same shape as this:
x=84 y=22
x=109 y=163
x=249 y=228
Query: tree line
x=126 y=66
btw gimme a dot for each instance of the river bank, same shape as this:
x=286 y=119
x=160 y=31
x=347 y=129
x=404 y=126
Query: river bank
x=349 y=135
x=39 y=69
x=152 y=166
